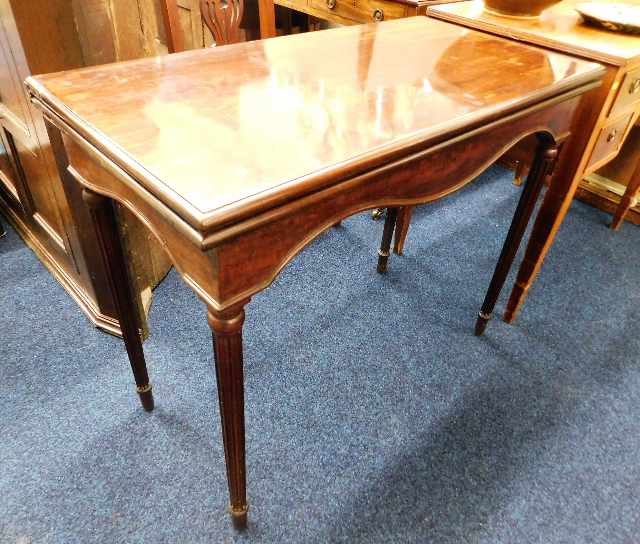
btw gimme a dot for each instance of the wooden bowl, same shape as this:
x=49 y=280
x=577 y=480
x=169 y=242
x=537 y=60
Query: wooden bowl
x=528 y=9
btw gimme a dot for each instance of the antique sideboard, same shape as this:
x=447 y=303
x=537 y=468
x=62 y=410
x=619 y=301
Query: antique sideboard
x=42 y=36
x=561 y=28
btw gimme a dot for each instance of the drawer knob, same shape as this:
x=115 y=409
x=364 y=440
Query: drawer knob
x=634 y=87
x=331 y=4
x=378 y=15
x=612 y=135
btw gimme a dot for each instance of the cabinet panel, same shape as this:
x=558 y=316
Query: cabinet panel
x=7 y=172
x=14 y=104
x=43 y=206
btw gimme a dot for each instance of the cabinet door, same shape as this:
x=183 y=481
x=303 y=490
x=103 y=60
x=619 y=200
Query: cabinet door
x=35 y=177
x=13 y=104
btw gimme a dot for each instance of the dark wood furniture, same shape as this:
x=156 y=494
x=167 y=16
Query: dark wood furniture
x=233 y=190
x=39 y=36
x=560 y=28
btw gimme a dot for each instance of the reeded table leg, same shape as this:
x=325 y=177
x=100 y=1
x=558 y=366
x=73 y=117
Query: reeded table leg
x=550 y=216
x=387 y=235
x=103 y=216
x=543 y=164
x=628 y=200
x=226 y=327
x=402 y=229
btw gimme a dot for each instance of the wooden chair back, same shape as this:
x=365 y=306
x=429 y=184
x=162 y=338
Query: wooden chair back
x=222 y=18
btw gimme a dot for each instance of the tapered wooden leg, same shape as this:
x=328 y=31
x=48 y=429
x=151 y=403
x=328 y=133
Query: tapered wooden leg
x=104 y=220
x=387 y=235
x=2 y=231
x=629 y=199
x=402 y=229
x=227 y=345
x=562 y=188
x=543 y=164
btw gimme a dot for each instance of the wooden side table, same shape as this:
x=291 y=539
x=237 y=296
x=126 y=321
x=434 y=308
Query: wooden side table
x=561 y=28
x=148 y=134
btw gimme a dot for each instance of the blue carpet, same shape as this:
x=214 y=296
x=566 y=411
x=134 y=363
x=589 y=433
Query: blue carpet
x=373 y=413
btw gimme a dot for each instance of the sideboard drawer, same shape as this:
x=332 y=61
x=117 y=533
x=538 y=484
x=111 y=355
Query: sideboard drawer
x=336 y=8
x=361 y=11
x=609 y=142
x=629 y=92
x=379 y=10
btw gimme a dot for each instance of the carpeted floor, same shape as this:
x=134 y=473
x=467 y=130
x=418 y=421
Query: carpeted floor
x=373 y=413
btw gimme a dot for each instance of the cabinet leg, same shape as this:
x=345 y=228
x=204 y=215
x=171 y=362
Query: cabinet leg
x=628 y=200
x=543 y=164
x=387 y=235
x=106 y=228
x=402 y=229
x=226 y=327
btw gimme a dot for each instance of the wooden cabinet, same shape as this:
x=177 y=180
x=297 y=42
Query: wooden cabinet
x=40 y=36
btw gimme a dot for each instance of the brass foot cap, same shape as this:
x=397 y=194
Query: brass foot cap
x=239 y=517
x=146 y=397
x=481 y=323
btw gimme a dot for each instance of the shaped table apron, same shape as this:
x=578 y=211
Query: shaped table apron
x=214 y=263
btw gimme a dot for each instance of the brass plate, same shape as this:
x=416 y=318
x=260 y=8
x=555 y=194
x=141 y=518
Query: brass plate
x=622 y=17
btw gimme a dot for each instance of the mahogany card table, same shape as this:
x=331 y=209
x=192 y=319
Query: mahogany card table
x=237 y=157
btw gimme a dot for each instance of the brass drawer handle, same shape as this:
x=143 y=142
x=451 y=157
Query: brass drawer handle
x=634 y=87
x=378 y=15
x=331 y=4
x=612 y=135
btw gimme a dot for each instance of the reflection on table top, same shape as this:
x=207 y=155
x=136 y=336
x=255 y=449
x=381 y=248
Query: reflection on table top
x=213 y=130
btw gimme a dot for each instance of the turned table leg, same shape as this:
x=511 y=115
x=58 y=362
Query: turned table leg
x=628 y=200
x=543 y=164
x=387 y=235
x=104 y=221
x=226 y=327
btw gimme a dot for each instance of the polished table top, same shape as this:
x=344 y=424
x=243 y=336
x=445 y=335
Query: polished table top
x=219 y=134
